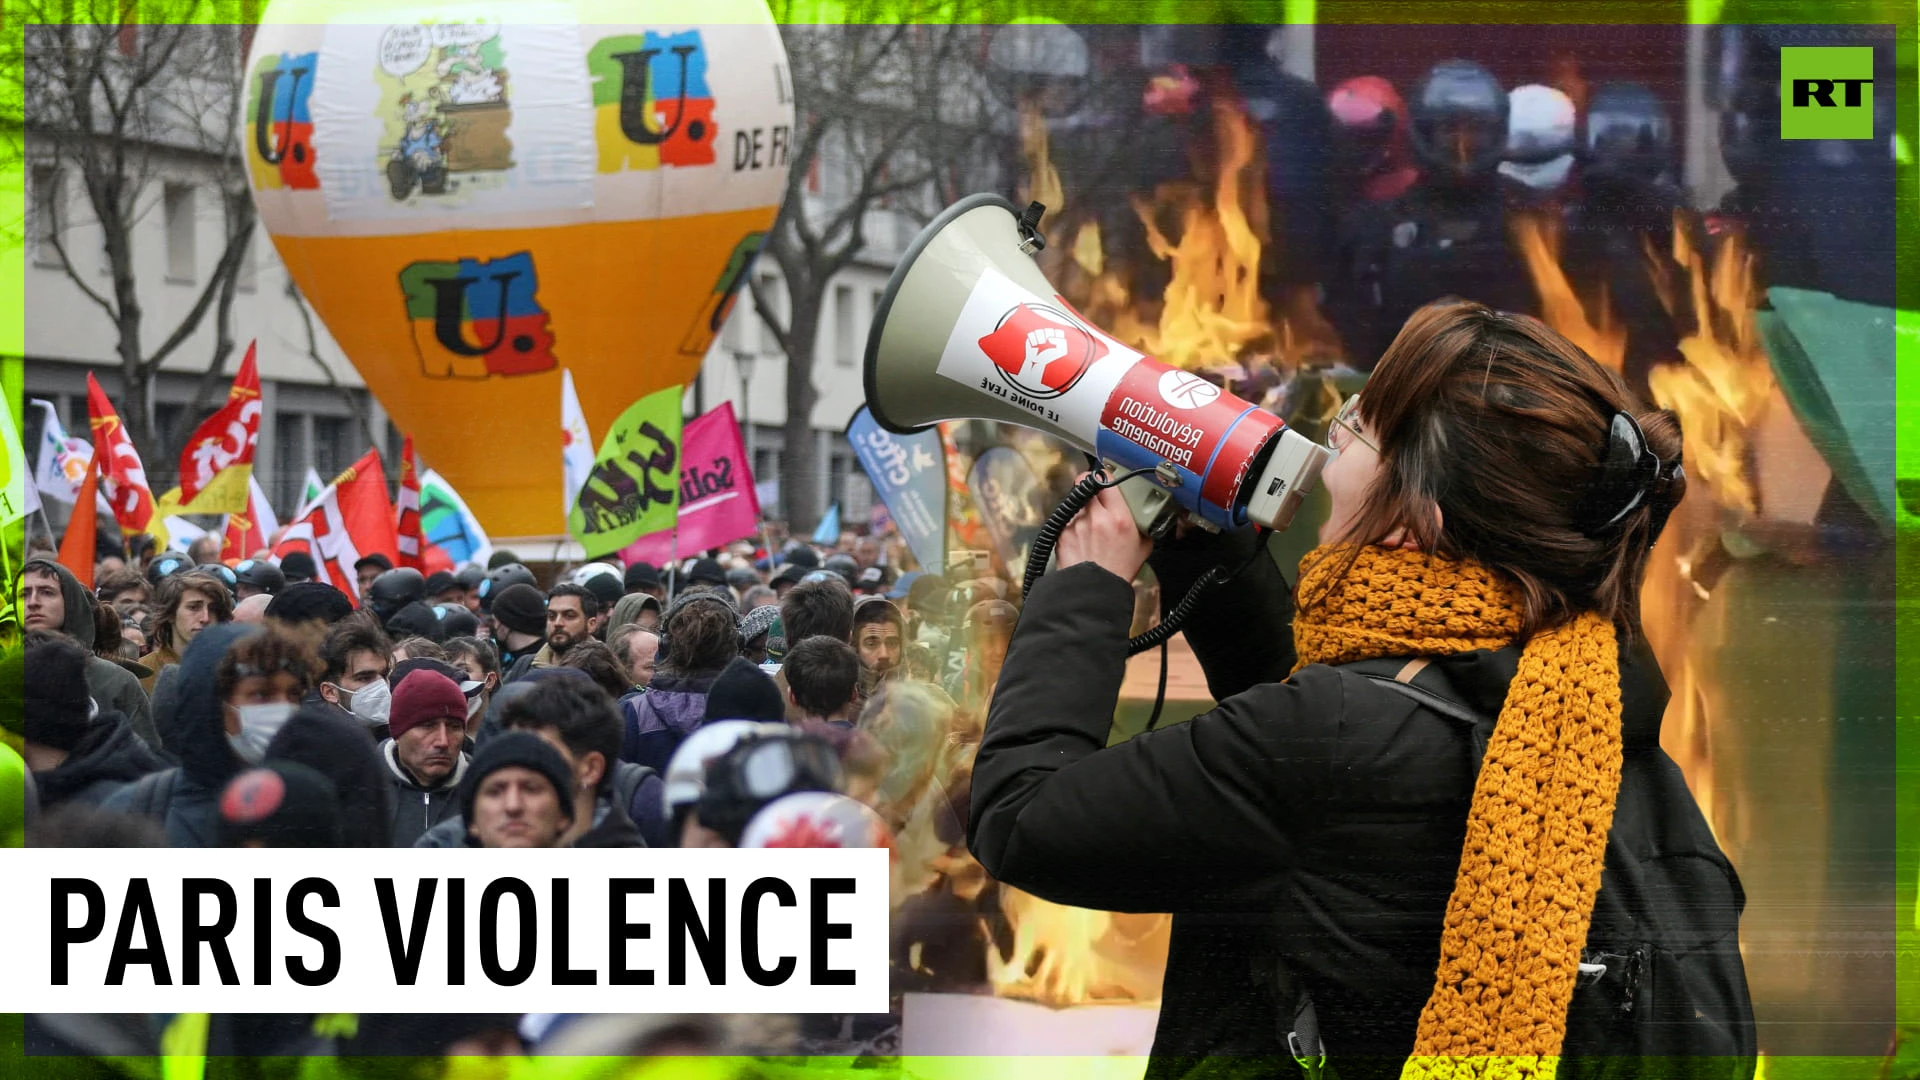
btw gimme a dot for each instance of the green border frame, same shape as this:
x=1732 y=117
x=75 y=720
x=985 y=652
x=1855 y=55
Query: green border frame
x=1899 y=13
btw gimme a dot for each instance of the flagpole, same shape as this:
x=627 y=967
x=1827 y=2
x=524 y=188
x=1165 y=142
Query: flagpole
x=673 y=563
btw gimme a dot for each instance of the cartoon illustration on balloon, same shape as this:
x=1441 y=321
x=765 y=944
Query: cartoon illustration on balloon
x=477 y=197
x=443 y=117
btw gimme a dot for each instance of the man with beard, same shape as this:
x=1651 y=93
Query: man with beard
x=879 y=632
x=571 y=611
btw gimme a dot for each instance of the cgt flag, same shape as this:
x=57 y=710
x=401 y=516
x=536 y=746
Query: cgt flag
x=717 y=501
x=416 y=550
x=1005 y=487
x=351 y=519
x=634 y=488
x=217 y=461
x=122 y=478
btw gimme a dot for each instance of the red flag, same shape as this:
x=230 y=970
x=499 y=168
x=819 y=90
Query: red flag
x=352 y=519
x=76 y=548
x=223 y=442
x=122 y=477
x=415 y=549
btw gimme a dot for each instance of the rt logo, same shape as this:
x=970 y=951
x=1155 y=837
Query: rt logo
x=1826 y=92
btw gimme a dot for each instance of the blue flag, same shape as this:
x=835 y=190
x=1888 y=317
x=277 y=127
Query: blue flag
x=910 y=474
x=828 y=531
x=1005 y=488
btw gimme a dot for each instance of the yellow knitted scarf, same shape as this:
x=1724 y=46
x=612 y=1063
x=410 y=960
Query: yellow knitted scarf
x=1537 y=828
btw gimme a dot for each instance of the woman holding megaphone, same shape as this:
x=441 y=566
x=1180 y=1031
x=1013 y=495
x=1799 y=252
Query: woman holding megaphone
x=1350 y=885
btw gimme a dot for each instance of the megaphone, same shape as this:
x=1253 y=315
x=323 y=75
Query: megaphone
x=969 y=328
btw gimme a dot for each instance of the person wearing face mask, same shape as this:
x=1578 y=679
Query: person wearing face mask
x=423 y=756
x=355 y=659
x=237 y=686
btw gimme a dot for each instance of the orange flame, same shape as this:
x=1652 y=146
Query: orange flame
x=1072 y=956
x=1539 y=241
x=1722 y=390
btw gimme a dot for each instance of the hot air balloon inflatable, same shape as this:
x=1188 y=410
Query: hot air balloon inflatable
x=476 y=197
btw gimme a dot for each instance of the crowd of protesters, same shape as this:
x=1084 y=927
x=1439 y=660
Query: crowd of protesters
x=187 y=703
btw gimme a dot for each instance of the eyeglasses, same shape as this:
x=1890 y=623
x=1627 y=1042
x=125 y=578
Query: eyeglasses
x=1346 y=424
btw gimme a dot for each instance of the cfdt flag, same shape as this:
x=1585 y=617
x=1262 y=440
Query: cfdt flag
x=249 y=532
x=1006 y=490
x=122 y=478
x=634 y=486
x=909 y=472
x=717 y=500
x=351 y=519
x=415 y=550
x=446 y=523
x=62 y=462
x=218 y=459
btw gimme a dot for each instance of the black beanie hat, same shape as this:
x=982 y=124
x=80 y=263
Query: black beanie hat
x=522 y=609
x=707 y=572
x=282 y=804
x=306 y=600
x=605 y=588
x=517 y=749
x=642 y=575
x=58 y=710
x=744 y=692
x=298 y=564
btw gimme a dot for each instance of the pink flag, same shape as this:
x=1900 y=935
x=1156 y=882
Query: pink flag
x=717 y=502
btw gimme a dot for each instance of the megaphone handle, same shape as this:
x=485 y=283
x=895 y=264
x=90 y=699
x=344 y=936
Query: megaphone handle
x=1076 y=499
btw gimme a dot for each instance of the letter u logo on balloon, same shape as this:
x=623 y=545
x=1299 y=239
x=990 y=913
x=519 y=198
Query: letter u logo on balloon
x=651 y=101
x=282 y=141
x=475 y=318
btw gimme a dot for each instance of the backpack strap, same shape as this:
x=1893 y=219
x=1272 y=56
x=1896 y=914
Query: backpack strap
x=1427 y=685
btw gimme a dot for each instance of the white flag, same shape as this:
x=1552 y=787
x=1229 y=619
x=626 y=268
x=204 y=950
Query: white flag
x=59 y=461
x=261 y=508
x=311 y=488
x=576 y=443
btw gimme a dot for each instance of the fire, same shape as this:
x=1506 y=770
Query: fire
x=1210 y=234
x=1722 y=390
x=1072 y=956
x=1538 y=239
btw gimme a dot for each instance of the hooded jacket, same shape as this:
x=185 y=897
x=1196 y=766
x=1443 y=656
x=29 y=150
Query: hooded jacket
x=108 y=683
x=186 y=799
x=1313 y=815
x=656 y=721
x=108 y=757
x=416 y=807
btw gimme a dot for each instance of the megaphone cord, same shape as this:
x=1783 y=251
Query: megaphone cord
x=1076 y=499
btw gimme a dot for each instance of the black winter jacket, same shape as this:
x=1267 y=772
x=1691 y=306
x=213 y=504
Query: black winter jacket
x=1318 y=816
x=108 y=757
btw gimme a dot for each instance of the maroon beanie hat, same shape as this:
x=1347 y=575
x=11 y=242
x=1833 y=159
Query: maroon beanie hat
x=424 y=696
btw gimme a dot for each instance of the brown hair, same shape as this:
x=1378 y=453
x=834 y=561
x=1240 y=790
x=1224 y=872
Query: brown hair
x=167 y=602
x=275 y=648
x=702 y=637
x=1501 y=424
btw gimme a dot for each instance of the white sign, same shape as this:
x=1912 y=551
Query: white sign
x=336 y=930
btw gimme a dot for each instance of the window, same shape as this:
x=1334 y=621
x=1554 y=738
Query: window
x=289 y=460
x=331 y=452
x=180 y=229
x=164 y=473
x=49 y=196
x=843 y=325
x=763 y=339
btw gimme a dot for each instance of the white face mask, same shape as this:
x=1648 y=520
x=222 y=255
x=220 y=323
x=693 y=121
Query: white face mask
x=474 y=705
x=372 y=702
x=258 y=725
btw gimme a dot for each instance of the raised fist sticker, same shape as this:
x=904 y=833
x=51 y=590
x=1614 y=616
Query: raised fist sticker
x=1040 y=350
